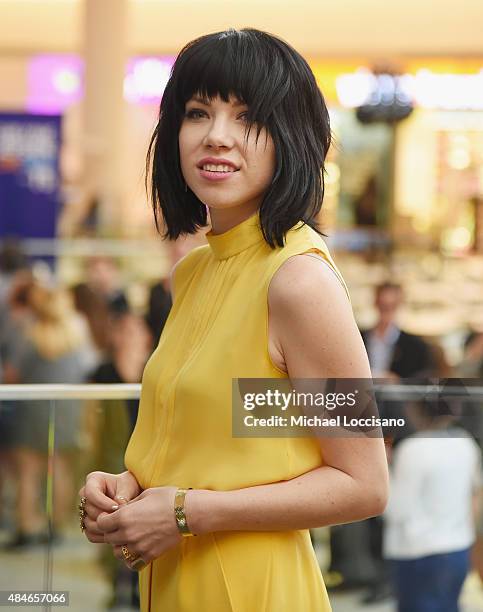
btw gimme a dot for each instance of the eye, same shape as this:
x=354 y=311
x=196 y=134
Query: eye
x=194 y=113
x=243 y=116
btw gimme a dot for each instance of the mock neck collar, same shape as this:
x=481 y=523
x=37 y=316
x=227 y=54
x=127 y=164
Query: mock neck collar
x=237 y=239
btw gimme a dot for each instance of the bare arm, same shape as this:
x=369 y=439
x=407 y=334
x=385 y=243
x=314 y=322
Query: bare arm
x=315 y=331
x=318 y=337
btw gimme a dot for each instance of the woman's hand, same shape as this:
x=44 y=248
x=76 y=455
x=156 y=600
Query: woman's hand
x=146 y=525
x=104 y=492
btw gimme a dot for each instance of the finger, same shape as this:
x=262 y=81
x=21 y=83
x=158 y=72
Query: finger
x=137 y=565
x=93 y=537
x=93 y=511
x=95 y=492
x=117 y=550
x=123 y=494
x=91 y=527
x=116 y=538
x=120 y=500
x=108 y=523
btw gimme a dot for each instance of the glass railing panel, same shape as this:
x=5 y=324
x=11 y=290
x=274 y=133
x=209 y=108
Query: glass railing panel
x=51 y=436
x=47 y=446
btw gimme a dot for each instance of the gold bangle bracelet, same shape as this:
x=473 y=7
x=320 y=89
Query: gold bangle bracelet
x=179 y=513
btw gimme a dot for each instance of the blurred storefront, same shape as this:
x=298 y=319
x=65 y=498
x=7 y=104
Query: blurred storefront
x=420 y=179
x=404 y=198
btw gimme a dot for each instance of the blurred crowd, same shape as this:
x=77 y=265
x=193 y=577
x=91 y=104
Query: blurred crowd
x=422 y=548
x=89 y=333
x=51 y=334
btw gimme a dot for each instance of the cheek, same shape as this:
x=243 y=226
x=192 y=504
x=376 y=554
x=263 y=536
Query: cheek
x=186 y=147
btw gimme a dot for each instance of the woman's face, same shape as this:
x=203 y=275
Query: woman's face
x=221 y=167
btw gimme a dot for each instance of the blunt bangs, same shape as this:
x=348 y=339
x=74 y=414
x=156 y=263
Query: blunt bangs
x=280 y=91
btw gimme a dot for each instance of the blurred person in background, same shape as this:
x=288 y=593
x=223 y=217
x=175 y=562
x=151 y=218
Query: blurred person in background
x=13 y=263
x=471 y=367
x=103 y=279
x=50 y=351
x=99 y=299
x=15 y=316
x=94 y=308
x=472 y=363
x=12 y=260
x=243 y=130
x=160 y=302
x=356 y=549
x=130 y=348
x=434 y=502
x=159 y=306
x=394 y=353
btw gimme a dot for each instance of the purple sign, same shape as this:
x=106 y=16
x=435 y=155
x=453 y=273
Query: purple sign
x=54 y=83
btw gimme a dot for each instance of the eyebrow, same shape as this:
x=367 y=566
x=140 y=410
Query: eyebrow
x=206 y=102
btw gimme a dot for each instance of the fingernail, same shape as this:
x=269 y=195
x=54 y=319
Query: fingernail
x=115 y=507
x=121 y=497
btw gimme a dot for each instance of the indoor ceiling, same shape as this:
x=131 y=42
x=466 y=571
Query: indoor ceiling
x=315 y=27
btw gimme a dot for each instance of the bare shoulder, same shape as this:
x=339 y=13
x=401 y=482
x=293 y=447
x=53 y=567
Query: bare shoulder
x=312 y=323
x=305 y=279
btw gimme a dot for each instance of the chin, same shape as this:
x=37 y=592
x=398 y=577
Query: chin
x=219 y=203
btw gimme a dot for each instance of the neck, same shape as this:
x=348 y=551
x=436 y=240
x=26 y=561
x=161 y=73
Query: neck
x=223 y=220
x=382 y=327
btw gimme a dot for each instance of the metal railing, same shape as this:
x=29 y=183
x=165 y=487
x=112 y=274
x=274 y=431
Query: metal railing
x=467 y=389
x=58 y=392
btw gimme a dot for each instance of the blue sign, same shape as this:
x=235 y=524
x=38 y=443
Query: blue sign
x=29 y=175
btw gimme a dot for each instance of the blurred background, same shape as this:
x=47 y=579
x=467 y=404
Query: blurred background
x=84 y=289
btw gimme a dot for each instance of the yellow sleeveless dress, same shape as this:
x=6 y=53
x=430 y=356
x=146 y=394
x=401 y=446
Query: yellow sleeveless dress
x=218 y=330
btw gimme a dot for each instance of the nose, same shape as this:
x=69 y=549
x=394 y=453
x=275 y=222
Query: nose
x=219 y=134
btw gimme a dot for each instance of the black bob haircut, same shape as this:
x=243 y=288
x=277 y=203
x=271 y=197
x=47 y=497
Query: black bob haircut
x=280 y=90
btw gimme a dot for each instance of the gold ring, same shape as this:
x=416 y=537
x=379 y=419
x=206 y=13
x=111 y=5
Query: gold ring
x=127 y=554
x=138 y=564
x=82 y=513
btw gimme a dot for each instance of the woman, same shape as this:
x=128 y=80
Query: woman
x=50 y=350
x=243 y=131
x=431 y=515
